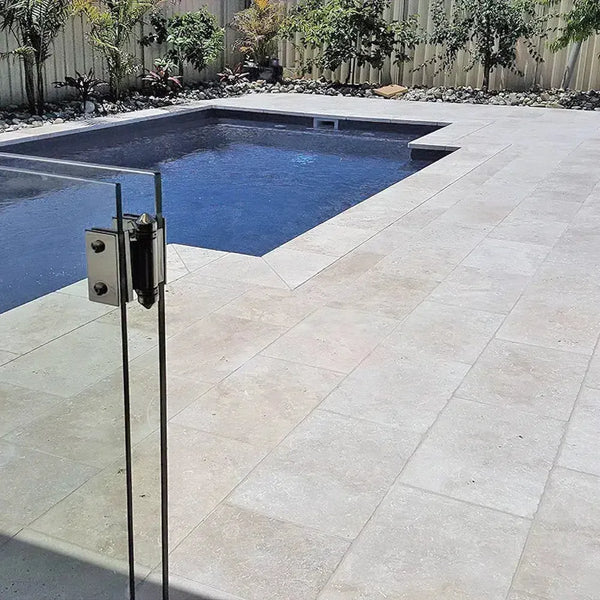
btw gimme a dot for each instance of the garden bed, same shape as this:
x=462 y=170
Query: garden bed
x=14 y=117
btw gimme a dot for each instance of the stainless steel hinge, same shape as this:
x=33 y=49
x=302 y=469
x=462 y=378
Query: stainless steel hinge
x=144 y=259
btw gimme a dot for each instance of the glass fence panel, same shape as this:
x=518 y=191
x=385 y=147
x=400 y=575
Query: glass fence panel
x=70 y=405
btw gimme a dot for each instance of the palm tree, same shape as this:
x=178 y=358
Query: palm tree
x=112 y=23
x=34 y=24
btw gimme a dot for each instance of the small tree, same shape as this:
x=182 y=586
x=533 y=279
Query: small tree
x=581 y=22
x=259 y=26
x=194 y=37
x=34 y=25
x=112 y=23
x=488 y=30
x=350 y=31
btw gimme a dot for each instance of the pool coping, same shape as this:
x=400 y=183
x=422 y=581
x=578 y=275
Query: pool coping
x=301 y=258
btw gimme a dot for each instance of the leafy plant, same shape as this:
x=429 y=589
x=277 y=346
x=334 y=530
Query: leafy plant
x=232 y=76
x=259 y=26
x=112 y=23
x=83 y=83
x=349 y=31
x=488 y=30
x=581 y=22
x=160 y=80
x=193 y=38
x=34 y=25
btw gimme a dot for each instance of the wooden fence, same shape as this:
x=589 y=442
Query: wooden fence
x=73 y=53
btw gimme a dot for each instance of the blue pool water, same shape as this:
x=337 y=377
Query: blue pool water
x=230 y=187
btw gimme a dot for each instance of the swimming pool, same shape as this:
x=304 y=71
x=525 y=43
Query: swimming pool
x=234 y=183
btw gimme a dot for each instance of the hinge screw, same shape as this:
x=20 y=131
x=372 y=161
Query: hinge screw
x=100 y=288
x=98 y=246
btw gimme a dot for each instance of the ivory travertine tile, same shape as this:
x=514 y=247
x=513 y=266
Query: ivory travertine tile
x=261 y=402
x=329 y=474
x=175 y=266
x=524 y=377
x=296 y=267
x=398 y=389
x=203 y=469
x=487 y=455
x=475 y=288
x=390 y=295
x=92 y=351
x=257 y=558
x=242 y=268
x=445 y=332
x=20 y=406
x=88 y=428
x=329 y=283
x=592 y=378
x=422 y=545
x=523 y=596
x=561 y=556
x=543 y=207
x=279 y=307
x=563 y=321
x=332 y=338
x=38 y=322
x=377 y=212
x=212 y=348
x=581 y=447
x=505 y=256
x=180 y=588
x=579 y=244
x=329 y=239
x=79 y=288
x=186 y=301
x=195 y=258
x=32 y=482
x=7 y=357
x=544 y=233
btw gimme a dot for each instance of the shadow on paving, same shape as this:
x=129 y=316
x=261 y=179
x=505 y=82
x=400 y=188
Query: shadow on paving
x=30 y=572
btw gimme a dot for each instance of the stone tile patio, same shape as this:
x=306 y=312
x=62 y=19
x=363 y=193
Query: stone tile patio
x=402 y=403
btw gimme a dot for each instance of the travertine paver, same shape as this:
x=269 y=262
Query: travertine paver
x=421 y=545
x=389 y=406
x=561 y=555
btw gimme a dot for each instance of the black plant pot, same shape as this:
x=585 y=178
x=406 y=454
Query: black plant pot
x=272 y=73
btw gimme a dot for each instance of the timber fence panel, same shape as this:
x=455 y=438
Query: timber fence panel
x=72 y=52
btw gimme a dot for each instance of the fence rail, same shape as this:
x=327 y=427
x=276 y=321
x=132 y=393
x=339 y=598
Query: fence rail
x=72 y=53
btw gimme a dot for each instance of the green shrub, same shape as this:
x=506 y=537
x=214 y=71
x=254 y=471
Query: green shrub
x=112 y=23
x=193 y=38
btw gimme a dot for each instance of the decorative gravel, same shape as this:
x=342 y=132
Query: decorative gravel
x=14 y=117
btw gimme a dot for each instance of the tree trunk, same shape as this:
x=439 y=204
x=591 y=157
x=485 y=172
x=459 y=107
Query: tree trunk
x=487 y=69
x=486 y=78
x=40 y=87
x=114 y=80
x=350 y=72
x=28 y=69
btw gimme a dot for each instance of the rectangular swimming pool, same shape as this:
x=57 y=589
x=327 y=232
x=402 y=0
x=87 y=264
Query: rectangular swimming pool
x=233 y=181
